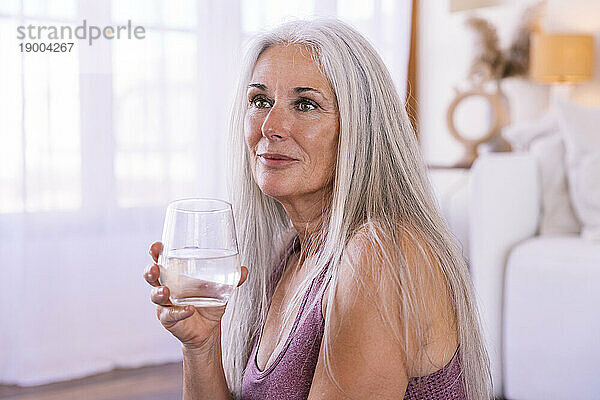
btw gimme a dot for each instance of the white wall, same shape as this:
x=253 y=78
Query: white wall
x=446 y=49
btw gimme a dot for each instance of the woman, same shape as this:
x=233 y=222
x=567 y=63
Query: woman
x=356 y=287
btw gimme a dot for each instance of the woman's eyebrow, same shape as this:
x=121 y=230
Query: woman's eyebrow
x=257 y=85
x=299 y=90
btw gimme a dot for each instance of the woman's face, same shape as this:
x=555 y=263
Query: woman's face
x=291 y=111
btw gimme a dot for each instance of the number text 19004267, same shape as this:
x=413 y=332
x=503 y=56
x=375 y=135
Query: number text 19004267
x=35 y=47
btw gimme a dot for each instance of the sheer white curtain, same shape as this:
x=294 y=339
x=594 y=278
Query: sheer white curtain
x=96 y=142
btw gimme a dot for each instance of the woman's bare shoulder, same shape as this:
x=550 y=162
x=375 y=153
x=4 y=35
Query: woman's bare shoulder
x=365 y=356
x=388 y=245
x=367 y=271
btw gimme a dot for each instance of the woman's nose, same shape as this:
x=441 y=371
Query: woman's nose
x=277 y=124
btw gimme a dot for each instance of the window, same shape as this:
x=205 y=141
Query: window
x=39 y=107
x=155 y=111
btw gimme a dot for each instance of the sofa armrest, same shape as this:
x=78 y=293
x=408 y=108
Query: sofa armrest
x=504 y=199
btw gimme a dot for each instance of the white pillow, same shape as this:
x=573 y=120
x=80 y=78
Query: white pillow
x=580 y=126
x=557 y=215
x=521 y=134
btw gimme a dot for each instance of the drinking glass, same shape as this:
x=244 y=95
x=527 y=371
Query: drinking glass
x=200 y=260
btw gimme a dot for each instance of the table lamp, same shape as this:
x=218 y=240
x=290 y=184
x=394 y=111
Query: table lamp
x=561 y=58
x=462 y=5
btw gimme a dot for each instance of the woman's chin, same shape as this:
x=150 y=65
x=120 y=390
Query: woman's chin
x=275 y=189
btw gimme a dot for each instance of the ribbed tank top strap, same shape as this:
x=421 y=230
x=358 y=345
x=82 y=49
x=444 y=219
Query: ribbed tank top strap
x=278 y=270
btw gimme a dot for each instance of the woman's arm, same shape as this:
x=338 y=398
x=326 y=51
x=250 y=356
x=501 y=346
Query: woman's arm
x=367 y=360
x=203 y=374
x=199 y=330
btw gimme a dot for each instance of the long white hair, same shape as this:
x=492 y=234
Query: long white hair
x=380 y=186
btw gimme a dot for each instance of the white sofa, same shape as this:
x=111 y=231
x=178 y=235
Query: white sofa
x=539 y=296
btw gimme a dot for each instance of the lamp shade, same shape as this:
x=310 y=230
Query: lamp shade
x=561 y=58
x=461 y=5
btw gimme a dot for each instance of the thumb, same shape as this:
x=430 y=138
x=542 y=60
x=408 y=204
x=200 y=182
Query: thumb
x=244 y=274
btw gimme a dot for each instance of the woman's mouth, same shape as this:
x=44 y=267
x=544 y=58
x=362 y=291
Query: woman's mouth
x=275 y=160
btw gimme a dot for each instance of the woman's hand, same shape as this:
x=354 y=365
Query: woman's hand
x=193 y=326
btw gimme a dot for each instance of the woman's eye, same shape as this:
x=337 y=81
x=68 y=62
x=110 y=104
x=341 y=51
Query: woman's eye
x=260 y=102
x=304 y=105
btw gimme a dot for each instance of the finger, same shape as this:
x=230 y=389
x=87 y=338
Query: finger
x=160 y=296
x=169 y=316
x=244 y=274
x=155 y=250
x=151 y=274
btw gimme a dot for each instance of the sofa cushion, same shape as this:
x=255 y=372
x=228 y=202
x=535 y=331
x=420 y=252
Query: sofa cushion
x=580 y=126
x=543 y=139
x=557 y=215
x=551 y=321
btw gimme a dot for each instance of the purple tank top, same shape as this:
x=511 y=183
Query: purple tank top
x=290 y=375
